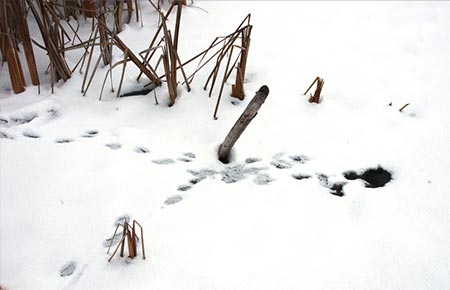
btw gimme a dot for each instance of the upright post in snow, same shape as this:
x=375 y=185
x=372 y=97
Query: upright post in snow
x=242 y=123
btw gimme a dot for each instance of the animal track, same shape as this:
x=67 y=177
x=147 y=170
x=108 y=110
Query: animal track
x=64 y=140
x=263 y=179
x=5 y=136
x=114 y=146
x=251 y=160
x=187 y=157
x=184 y=187
x=336 y=188
x=90 y=134
x=173 y=199
x=281 y=164
x=68 y=269
x=163 y=161
x=299 y=158
x=141 y=150
x=196 y=180
x=300 y=176
x=31 y=135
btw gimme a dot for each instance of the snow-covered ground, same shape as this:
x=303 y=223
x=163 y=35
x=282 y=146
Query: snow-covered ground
x=72 y=166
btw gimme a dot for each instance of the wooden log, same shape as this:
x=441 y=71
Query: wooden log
x=242 y=123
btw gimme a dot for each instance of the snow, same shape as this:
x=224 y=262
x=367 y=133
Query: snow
x=72 y=166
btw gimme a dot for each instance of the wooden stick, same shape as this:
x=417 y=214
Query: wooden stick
x=315 y=80
x=223 y=84
x=242 y=123
x=401 y=109
x=177 y=24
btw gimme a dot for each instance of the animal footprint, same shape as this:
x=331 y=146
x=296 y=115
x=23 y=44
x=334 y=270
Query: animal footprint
x=251 y=160
x=173 y=199
x=281 y=164
x=68 y=269
x=263 y=179
x=299 y=158
x=163 y=161
x=4 y=135
x=31 y=135
x=184 y=187
x=141 y=150
x=196 y=180
x=336 y=188
x=90 y=134
x=113 y=146
x=187 y=157
x=64 y=140
x=300 y=176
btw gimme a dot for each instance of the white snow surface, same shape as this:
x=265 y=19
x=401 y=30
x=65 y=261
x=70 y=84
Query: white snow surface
x=268 y=230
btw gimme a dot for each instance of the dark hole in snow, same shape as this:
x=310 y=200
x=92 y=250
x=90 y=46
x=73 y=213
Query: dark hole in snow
x=184 y=187
x=300 y=176
x=31 y=135
x=281 y=164
x=373 y=177
x=63 y=140
x=251 y=160
x=173 y=199
x=235 y=102
x=141 y=150
x=114 y=146
x=68 y=269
